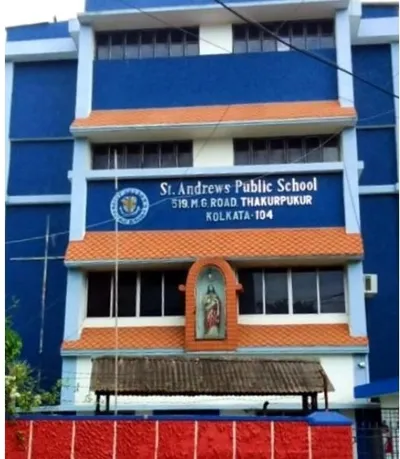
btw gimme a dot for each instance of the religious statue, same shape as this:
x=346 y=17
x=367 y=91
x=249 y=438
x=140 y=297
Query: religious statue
x=212 y=305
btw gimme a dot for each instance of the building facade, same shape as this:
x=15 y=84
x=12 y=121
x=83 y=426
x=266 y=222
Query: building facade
x=182 y=183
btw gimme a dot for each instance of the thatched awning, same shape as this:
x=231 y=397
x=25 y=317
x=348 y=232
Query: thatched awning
x=207 y=376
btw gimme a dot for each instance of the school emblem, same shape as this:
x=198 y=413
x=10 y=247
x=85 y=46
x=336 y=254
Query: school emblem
x=129 y=206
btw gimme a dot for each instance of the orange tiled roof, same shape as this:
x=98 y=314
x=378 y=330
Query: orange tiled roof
x=249 y=336
x=183 y=245
x=213 y=114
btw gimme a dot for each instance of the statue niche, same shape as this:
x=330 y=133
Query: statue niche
x=210 y=305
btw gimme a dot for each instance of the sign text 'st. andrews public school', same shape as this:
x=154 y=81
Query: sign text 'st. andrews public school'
x=217 y=202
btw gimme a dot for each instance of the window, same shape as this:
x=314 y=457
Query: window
x=140 y=294
x=287 y=150
x=248 y=38
x=147 y=44
x=295 y=291
x=142 y=155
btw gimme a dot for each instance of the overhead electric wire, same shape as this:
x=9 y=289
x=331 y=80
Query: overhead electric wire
x=304 y=51
x=160 y=201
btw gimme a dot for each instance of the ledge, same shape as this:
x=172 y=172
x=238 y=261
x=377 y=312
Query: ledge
x=41 y=50
x=38 y=199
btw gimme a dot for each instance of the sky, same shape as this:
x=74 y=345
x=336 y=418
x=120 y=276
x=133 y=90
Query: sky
x=32 y=11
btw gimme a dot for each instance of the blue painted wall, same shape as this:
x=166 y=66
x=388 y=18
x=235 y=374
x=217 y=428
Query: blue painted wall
x=43 y=102
x=106 y=5
x=212 y=80
x=379 y=11
x=23 y=281
x=38 y=31
x=377 y=148
x=380 y=229
x=373 y=63
x=167 y=211
x=51 y=162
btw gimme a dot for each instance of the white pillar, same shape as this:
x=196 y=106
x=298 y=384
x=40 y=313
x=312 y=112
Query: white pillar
x=9 y=83
x=350 y=180
x=216 y=39
x=356 y=299
x=343 y=58
x=395 y=73
x=81 y=155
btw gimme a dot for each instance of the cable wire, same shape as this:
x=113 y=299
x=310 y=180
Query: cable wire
x=304 y=51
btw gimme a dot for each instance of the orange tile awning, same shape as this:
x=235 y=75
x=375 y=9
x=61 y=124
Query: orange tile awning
x=250 y=336
x=230 y=244
x=203 y=115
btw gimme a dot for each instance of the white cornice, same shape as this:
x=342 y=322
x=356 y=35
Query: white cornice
x=41 y=50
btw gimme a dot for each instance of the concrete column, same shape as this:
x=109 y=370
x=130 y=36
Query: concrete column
x=75 y=306
x=216 y=39
x=395 y=73
x=343 y=57
x=356 y=299
x=81 y=155
x=9 y=83
x=348 y=143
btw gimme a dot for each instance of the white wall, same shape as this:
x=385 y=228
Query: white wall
x=390 y=402
x=339 y=369
x=215 y=39
x=213 y=152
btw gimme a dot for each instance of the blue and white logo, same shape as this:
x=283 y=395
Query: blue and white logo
x=129 y=206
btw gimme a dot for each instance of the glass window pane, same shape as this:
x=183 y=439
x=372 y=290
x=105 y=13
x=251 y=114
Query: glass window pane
x=192 y=49
x=132 y=45
x=177 y=38
x=331 y=291
x=117 y=46
x=284 y=34
x=330 y=150
x=239 y=32
x=100 y=158
x=117 y=157
x=251 y=299
x=277 y=151
x=313 y=150
x=240 y=46
x=150 y=294
x=298 y=36
x=168 y=155
x=99 y=294
x=174 y=300
x=312 y=38
x=304 y=287
x=185 y=154
x=327 y=39
x=185 y=159
x=254 y=39
x=327 y=42
x=260 y=152
x=242 y=158
x=268 y=43
x=326 y=28
x=295 y=151
x=151 y=155
x=102 y=41
x=126 y=294
x=134 y=156
x=162 y=43
x=276 y=292
x=147 y=44
x=192 y=34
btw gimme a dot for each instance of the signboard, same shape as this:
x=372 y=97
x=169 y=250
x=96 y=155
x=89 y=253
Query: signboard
x=216 y=203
